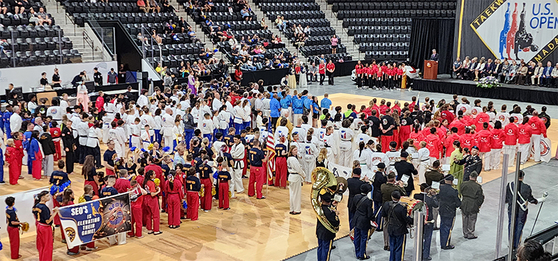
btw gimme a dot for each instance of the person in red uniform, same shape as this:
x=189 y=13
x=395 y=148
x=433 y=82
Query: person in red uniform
x=122 y=184
x=322 y=71
x=55 y=132
x=193 y=186
x=174 y=199
x=281 y=164
x=136 y=197
x=386 y=127
x=257 y=171
x=524 y=132
x=205 y=178
x=12 y=161
x=406 y=124
x=481 y=118
x=467 y=140
x=100 y=102
x=459 y=124
x=152 y=203
x=448 y=142
x=224 y=177
x=510 y=140
x=498 y=137
x=157 y=170
x=13 y=227
x=44 y=218
x=330 y=68
x=484 y=142
x=446 y=114
x=19 y=148
x=90 y=174
x=359 y=69
x=434 y=145
x=538 y=130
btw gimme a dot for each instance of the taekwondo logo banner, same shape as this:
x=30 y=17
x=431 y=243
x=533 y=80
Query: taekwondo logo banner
x=92 y=220
x=515 y=29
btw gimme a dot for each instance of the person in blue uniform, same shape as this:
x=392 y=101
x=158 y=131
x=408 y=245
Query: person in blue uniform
x=398 y=221
x=109 y=190
x=6 y=120
x=363 y=213
x=325 y=237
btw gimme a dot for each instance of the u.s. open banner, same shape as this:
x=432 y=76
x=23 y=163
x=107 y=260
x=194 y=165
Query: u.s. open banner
x=92 y=220
x=508 y=29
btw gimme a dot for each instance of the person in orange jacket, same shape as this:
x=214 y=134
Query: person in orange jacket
x=484 y=142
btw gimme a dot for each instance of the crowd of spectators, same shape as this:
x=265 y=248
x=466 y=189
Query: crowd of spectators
x=507 y=71
x=155 y=6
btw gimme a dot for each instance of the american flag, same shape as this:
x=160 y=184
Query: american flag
x=271 y=151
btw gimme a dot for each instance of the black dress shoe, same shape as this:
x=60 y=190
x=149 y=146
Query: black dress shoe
x=386 y=248
x=448 y=247
x=473 y=237
x=363 y=258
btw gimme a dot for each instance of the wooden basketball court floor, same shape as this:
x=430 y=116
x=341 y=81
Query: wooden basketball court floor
x=251 y=230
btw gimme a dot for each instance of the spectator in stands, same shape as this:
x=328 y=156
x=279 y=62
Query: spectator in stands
x=246 y=14
x=554 y=75
x=512 y=69
x=235 y=54
x=21 y=6
x=280 y=22
x=154 y=6
x=522 y=73
x=4 y=7
x=237 y=74
x=167 y=7
x=157 y=38
x=262 y=23
x=143 y=6
x=43 y=17
x=334 y=41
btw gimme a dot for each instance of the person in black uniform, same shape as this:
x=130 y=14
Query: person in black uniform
x=363 y=213
x=375 y=124
x=69 y=145
x=449 y=202
x=428 y=196
x=524 y=197
x=405 y=168
x=353 y=184
x=379 y=179
x=257 y=171
x=97 y=77
x=13 y=227
x=325 y=237
x=44 y=218
x=397 y=219
x=472 y=163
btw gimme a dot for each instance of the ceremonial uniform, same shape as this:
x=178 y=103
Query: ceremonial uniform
x=238 y=154
x=396 y=215
x=449 y=202
x=325 y=237
x=136 y=198
x=363 y=213
x=296 y=177
x=175 y=194
x=257 y=173
x=345 y=147
x=353 y=184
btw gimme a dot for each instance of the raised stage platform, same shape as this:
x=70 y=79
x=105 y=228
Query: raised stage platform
x=444 y=84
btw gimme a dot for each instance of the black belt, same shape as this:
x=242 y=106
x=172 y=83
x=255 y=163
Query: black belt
x=425 y=160
x=255 y=166
x=83 y=136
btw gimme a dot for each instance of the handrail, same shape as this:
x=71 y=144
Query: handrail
x=89 y=41
x=69 y=17
x=100 y=35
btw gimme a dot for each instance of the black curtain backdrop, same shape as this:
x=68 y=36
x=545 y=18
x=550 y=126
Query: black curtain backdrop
x=428 y=34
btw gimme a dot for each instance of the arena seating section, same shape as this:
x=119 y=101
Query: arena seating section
x=383 y=28
x=239 y=27
x=176 y=47
x=30 y=44
x=306 y=13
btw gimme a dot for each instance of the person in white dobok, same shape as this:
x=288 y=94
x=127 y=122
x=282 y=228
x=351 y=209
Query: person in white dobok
x=424 y=161
x=237 y=153
x=364 y=157
x=330 y=143
x=168 y=124
x=345 y=144
x=281 y=131
x=309 y=157
x=295 y=177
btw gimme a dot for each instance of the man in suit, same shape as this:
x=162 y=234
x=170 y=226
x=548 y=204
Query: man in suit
x=363 y=213
x=428 y=196
x=405 y=168
x=449 y=202
x=434 y=56
x=546 y=76
x=396 y=215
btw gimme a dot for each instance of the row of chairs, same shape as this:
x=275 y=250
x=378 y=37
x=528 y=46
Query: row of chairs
x=321 y=49
x=173 y=61
x=355 y=30
x=318 y=40
x=313 y=23
x=334 y=1
x=400 y=46
x=271 y=7
x=375 y=38
x=226 y=16
x=394 y=13
x=39 y=43
x=117 y=7
x=400 y=56
x=22 y=31
x=15 y=20
x=176 y=49
x=29 y=58
x=409 y=5
x=333 y=57
x=292 y=15
x=262 y=34
x=238 y=25
x=125 y=18
x=401 y=21
x=282 y=1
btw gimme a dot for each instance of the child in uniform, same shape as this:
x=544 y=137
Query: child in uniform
x=193 y=187
x=224 y=177
x=13 y=227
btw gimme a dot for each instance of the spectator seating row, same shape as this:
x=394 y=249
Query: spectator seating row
x=10 y=5
x=352 y=30
x=39 y=43
x=315 y=24
x=293 y=15
x=125 y=18
x=339 y=1
x=274 y=7
x=391 y=5
x=401 y=46
x=374 y=38
x=112 y=7
x=22 y=19
x=239 y=25
x=386 y=55
x=376 y=22
x=394 y=13
x=31 y=31
x=338 y=57
x=321 y=49
x=283 y=1
x=176 y=49
x=33 y=58
x=167 y=38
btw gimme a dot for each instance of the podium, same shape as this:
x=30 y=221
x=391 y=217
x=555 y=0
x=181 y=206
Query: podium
x=430 y=70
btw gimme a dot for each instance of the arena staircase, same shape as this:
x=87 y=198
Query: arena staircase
x=341 y=32
x=89 y=52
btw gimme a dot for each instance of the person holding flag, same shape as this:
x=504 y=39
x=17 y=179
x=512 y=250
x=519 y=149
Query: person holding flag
x=271 y=153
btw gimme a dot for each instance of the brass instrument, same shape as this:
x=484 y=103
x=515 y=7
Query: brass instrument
x=325 y=182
